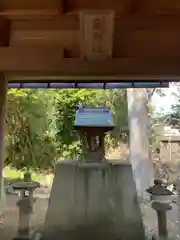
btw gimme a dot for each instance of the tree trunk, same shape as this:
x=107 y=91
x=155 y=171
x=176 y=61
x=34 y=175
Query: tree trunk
x=139 y=127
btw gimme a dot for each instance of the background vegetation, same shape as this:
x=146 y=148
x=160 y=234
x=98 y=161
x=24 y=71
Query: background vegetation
x=40 y=123
x=40 y=131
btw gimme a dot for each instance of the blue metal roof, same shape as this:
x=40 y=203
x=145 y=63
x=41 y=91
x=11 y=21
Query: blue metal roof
x=94 y=117
x=100 y=85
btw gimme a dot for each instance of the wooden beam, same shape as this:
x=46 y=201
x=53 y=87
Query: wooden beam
x=4 y=31
x=33 y=13
x=31 y=56
x=33 y=4
x=30 y=14
x=121 y=7
x=49 y=61
x=41 y=19
x=133 y=37
x=86 y=79
x=127 y=21
x=21 y=9
x=3 y=99
x=55 y=23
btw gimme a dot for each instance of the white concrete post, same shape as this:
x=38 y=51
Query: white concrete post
x=3 y=94
x=139 y=127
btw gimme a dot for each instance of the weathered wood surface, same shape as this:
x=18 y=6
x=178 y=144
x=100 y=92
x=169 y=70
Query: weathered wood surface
x=143 y=42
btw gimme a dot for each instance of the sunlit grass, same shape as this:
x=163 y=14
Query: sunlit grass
x=14 y=174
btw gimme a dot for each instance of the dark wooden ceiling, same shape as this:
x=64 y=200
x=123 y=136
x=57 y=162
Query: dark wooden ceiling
x=47 y=31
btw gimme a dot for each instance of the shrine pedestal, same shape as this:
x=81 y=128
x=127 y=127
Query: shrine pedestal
x=93 y=201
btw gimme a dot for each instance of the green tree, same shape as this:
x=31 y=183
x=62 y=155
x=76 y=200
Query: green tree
x=30 y=130
x=172 y=118
x=40 y=124
x=67 y=101
x=116 y=101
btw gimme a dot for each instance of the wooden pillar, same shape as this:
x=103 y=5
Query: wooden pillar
x=139 y=140
x=3 y=93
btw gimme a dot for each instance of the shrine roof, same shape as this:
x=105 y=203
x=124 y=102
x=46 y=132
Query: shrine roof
x=159 y=189
x=94 y=117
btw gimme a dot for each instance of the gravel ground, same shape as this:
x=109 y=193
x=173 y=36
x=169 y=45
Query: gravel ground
x=150 y=221
x=9 y=221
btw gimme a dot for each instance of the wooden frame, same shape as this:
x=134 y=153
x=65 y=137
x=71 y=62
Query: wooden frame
x=39 y=39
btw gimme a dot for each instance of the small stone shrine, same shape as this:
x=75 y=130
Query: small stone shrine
x=92 y=124
x=93 y=198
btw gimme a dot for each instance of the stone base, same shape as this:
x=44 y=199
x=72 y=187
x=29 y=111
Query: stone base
x=22 y=238
x=37 y=236
x=93 y=201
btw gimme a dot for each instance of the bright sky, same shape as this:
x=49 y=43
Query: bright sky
x=164 y=103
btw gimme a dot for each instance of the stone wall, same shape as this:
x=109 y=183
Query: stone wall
x=93 y=201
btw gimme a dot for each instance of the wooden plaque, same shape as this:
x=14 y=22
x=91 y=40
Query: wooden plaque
x=96 y=29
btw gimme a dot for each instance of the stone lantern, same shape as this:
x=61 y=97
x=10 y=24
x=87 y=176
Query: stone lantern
x=161 y=203
x=92 y=124
x=25 y=204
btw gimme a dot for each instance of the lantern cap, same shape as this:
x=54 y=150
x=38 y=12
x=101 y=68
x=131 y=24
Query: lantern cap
x=159 y=189
x=21 y=185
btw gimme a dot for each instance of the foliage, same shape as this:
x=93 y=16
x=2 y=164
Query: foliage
x=118 y=105
x=173 y=117
x=156 y=121
x=157 y=130
x=30 y=141
x=40 y=124
x=67 y=101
